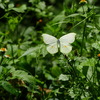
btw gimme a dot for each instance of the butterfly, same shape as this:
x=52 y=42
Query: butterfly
x=53 y=44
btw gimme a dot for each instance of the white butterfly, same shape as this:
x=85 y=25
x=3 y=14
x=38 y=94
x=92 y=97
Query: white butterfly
x=63 y=43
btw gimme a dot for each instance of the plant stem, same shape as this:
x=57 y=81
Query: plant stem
x=12 y=53
x=83 y=37
x=83 y=34
x=1 y=60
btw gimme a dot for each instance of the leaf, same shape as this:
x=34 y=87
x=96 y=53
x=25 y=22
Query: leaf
x=73 y=15
x=25 y=45
x=11 y=5
x=12 y=48
x=1 y=69
x=59 y=18
x=83 y=7
x=56 y=71
x=2 y=6
x=89 y=62
x=43 y=50
x=20 y=9
x=28 y=30
x=41 y=5
x=22 y=75
x=32 y=1
x=97 y=20
x=88 y=67
x=30 y=50
x=8 y=87
x=36 y=49
x=63 y=77
x=96 y=45
x=86 y=98
x=48 y=76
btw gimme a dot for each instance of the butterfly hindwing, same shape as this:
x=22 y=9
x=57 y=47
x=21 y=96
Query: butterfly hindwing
x=52 y=48
x=65 y=48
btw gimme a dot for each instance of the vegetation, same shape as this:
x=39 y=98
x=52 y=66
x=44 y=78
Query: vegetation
x=28 y=71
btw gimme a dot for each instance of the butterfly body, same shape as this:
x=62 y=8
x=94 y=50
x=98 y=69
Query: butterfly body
x=58 y=42
x=63 y=43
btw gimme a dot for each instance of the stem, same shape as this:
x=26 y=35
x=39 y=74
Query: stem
x=71 y=65
x=83 y=36
x=98 y=64
x=12 y=53
x=77 y=76
x=1 y=60
x=83 y=9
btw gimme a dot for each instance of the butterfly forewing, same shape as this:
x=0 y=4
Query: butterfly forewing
x=48 y=39
x=69 y=38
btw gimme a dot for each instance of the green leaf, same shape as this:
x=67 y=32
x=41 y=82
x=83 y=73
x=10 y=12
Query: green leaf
x=48 y=76
x=88 y=67
x=11 y=47
x=73 y=15
x=2 y=6
x=11 y=5
x=41 y=5
x=63 y=77
x=22 y=75
x=89 y=62
x=1 y=69
x=36 y=49
x=25 y=45
x=96 y=45
x=83 y=7
x=30 y=50
x=56 y=71
x=59 y=18
x=32 y=1
x=86 y=98
x=98 y=98
x=6 y=1
x=97 y=20
x=8 y=87
x=20 y=9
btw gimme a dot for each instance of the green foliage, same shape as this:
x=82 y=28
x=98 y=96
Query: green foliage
x=21 y=75
x=28 y=71
x=8 y=87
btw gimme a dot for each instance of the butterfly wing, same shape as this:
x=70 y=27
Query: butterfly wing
x=52 y=43
x=49 y=39
x=65 y=48
x=65 y=41
x=52 y=48
x=69 y=38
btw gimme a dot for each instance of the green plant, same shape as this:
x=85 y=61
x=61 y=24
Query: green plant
x=28 y=71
